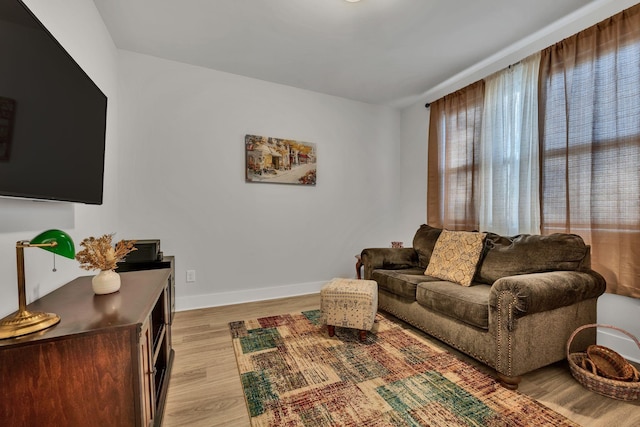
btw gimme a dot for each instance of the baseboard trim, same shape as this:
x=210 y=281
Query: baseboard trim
x=619 y=343
x=193 y=302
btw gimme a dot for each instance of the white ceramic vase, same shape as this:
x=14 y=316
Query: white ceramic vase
x=106 y=282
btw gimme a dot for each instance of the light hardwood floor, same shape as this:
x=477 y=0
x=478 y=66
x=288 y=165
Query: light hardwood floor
x=205 y=391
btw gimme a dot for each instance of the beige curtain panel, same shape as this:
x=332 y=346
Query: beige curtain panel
x=590 y=145
x=455 y=127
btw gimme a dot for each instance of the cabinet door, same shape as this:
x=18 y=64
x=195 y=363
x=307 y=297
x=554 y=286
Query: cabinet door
x=147 y=391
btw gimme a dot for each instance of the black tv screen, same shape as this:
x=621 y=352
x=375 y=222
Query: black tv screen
x=52 y=115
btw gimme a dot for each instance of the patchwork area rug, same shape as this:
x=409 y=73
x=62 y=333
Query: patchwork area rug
x=293 y=374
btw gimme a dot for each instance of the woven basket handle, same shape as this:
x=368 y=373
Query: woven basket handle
x=599 y=325
x=589 y=366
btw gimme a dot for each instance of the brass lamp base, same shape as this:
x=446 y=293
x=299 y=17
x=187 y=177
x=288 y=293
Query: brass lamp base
x=25 y=322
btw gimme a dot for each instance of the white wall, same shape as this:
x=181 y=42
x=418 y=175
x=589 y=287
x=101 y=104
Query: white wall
x=182 y=180
x=413 y=191
x=614 y=310
x=624 y=313
x=174 y=171
x=78 y=27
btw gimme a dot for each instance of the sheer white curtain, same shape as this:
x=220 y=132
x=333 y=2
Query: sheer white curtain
x=509 y=201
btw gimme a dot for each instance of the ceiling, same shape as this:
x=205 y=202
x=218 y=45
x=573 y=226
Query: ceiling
x=374 y=51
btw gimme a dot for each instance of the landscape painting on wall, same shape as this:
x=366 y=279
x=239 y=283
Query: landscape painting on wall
x=281 y=161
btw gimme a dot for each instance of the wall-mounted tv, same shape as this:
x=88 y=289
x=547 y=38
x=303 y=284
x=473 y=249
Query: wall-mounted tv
x=52 y=115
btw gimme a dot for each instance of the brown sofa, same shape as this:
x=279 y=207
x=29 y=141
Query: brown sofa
x=529 y=293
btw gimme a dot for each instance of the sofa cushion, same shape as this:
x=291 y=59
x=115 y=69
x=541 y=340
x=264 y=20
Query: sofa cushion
x=455 y=256
x=400 y=282
x=424 y=242
x=466 y=304
x=525 y=253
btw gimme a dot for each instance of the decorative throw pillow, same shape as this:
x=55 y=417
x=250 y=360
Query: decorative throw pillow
x=455 y=256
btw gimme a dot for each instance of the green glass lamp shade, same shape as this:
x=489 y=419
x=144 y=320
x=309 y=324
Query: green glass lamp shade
x=25 y=322
x=64 y=244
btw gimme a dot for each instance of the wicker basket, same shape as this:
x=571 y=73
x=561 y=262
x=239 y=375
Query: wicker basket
x=610 y=364
x=586 y=372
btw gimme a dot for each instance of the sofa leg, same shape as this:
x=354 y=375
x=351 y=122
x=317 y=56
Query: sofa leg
x=509 y=382
x=363 y=335
x=331 y=329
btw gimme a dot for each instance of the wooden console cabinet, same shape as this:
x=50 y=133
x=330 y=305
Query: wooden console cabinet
x=168 y=261
x=107 y=363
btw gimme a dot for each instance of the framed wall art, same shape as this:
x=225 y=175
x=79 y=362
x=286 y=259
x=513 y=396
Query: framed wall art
x=280 y=161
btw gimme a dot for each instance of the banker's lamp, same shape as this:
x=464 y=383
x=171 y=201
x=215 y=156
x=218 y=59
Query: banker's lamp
x=25 y=322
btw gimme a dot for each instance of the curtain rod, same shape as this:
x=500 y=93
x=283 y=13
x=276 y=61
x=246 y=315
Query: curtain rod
x=428 y=104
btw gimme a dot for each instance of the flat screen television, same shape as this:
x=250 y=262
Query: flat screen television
x=52 y=115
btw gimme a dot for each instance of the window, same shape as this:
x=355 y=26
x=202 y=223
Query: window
x=588 y=145
x=590 y=95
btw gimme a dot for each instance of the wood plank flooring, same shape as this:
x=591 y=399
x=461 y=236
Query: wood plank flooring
x=205 y=390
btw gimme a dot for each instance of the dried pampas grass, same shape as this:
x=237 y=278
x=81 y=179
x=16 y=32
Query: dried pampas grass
x=100 y=254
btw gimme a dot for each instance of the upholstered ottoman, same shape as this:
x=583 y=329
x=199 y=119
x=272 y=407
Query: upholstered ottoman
x=349 y=303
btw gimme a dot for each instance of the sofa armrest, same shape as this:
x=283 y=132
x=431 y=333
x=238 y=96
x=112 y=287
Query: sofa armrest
x=538 y=292
x=387 y=258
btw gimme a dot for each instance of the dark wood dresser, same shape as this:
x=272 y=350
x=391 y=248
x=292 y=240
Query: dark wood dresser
x=107 y=363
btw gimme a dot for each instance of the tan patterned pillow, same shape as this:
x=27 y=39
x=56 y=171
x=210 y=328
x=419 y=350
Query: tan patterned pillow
x=455 y=256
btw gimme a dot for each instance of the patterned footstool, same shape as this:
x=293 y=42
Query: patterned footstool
x=349 y=303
